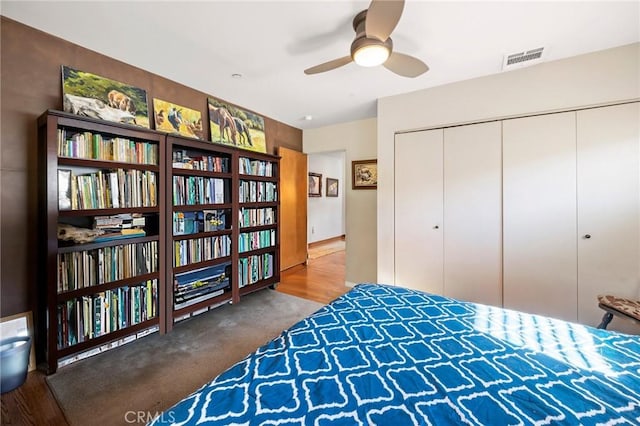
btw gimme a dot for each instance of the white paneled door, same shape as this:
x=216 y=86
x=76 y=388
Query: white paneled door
x=608 y=206
x=539 y=215
x=418 y=211
x=473 y=213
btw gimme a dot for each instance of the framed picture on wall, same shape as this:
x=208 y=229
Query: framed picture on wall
x=364 y=174
x=315 y=185
x=99 y=97
x=173 y=118
x=231 y=125
x=332 y=187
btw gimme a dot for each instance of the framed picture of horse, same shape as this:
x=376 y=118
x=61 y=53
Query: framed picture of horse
x=93 y=96
x=364 y=174
x=234 y=126
x=172 y=118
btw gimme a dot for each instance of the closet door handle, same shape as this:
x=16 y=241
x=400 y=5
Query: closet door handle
x=436 y=227
x=587 y=236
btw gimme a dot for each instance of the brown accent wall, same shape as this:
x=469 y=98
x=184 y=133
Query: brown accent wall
x=31 y=83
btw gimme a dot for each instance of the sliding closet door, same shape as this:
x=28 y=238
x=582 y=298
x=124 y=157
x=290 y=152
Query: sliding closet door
x=418 y=211
x=608 y=206
x=473 y=213
x=539 y=198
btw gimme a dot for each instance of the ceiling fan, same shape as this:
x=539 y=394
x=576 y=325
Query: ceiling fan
x=373 y=46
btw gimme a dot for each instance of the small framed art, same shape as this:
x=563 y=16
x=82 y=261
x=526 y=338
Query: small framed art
x=364 y=174
x=332 y=187
x=315 y=184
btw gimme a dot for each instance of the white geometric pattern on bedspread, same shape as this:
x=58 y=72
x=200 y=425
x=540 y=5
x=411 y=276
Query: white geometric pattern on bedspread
x=384 y=355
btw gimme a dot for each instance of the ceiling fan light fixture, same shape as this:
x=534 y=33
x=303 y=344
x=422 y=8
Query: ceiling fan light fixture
x=373 y=46
x=371 y=55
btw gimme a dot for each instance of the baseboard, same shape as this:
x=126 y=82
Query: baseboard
x=294 y=267
x=328 y=240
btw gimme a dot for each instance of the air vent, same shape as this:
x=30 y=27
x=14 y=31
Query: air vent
x=521 y=59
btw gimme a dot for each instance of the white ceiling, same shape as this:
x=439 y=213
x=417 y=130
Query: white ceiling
x=201 y=44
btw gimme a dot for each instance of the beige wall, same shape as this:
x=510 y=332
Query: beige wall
x=358 y=140
x=598 y=78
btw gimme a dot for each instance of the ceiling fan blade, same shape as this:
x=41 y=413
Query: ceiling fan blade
x=328 y=66
x=382 y=18
x=405 y=65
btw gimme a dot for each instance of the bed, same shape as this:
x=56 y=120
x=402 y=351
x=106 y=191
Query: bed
x=384 y=355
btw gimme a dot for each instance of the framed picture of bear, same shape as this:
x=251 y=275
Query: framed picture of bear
x=94 y=96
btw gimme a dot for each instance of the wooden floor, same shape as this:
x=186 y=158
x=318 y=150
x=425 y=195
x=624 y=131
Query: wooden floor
x=321 y=280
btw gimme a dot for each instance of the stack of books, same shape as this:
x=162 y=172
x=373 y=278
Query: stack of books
x=125 y=225
x=200 y=284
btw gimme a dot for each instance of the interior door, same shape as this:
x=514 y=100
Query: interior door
x=608 y=206
x=293 y=207
x=473 y=213
x=418 y=210
x=539 y=230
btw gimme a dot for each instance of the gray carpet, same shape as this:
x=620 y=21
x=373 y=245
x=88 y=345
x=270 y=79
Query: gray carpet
x=128 y=384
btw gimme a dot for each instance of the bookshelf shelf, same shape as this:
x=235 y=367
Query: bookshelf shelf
x=190 y=172
x=258 y=178
x=257 y=227
x=111 y=211
x=92 y=246
x=204 y=304
x=98 y=288
x=100 y=164
x=197 y=207
x=260 y=204
x=202 y=235
x=200 y=265
x=259 y=251
x=106 y=338
x=250 y=288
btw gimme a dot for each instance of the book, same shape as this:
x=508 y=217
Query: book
x=188 y=302
x=119 y=221
x=200 y=284
x=64 y=189
x=218 y=190
x=190 y=226
x=186 y=223
x=123 y=234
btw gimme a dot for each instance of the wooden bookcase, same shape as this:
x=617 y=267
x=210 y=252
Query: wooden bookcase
x=192 y=159
x=90 y=294
x=259 y=217
x=200 y=226
x=211 y=222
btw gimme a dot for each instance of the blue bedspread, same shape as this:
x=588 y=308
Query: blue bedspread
x=383 y=355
